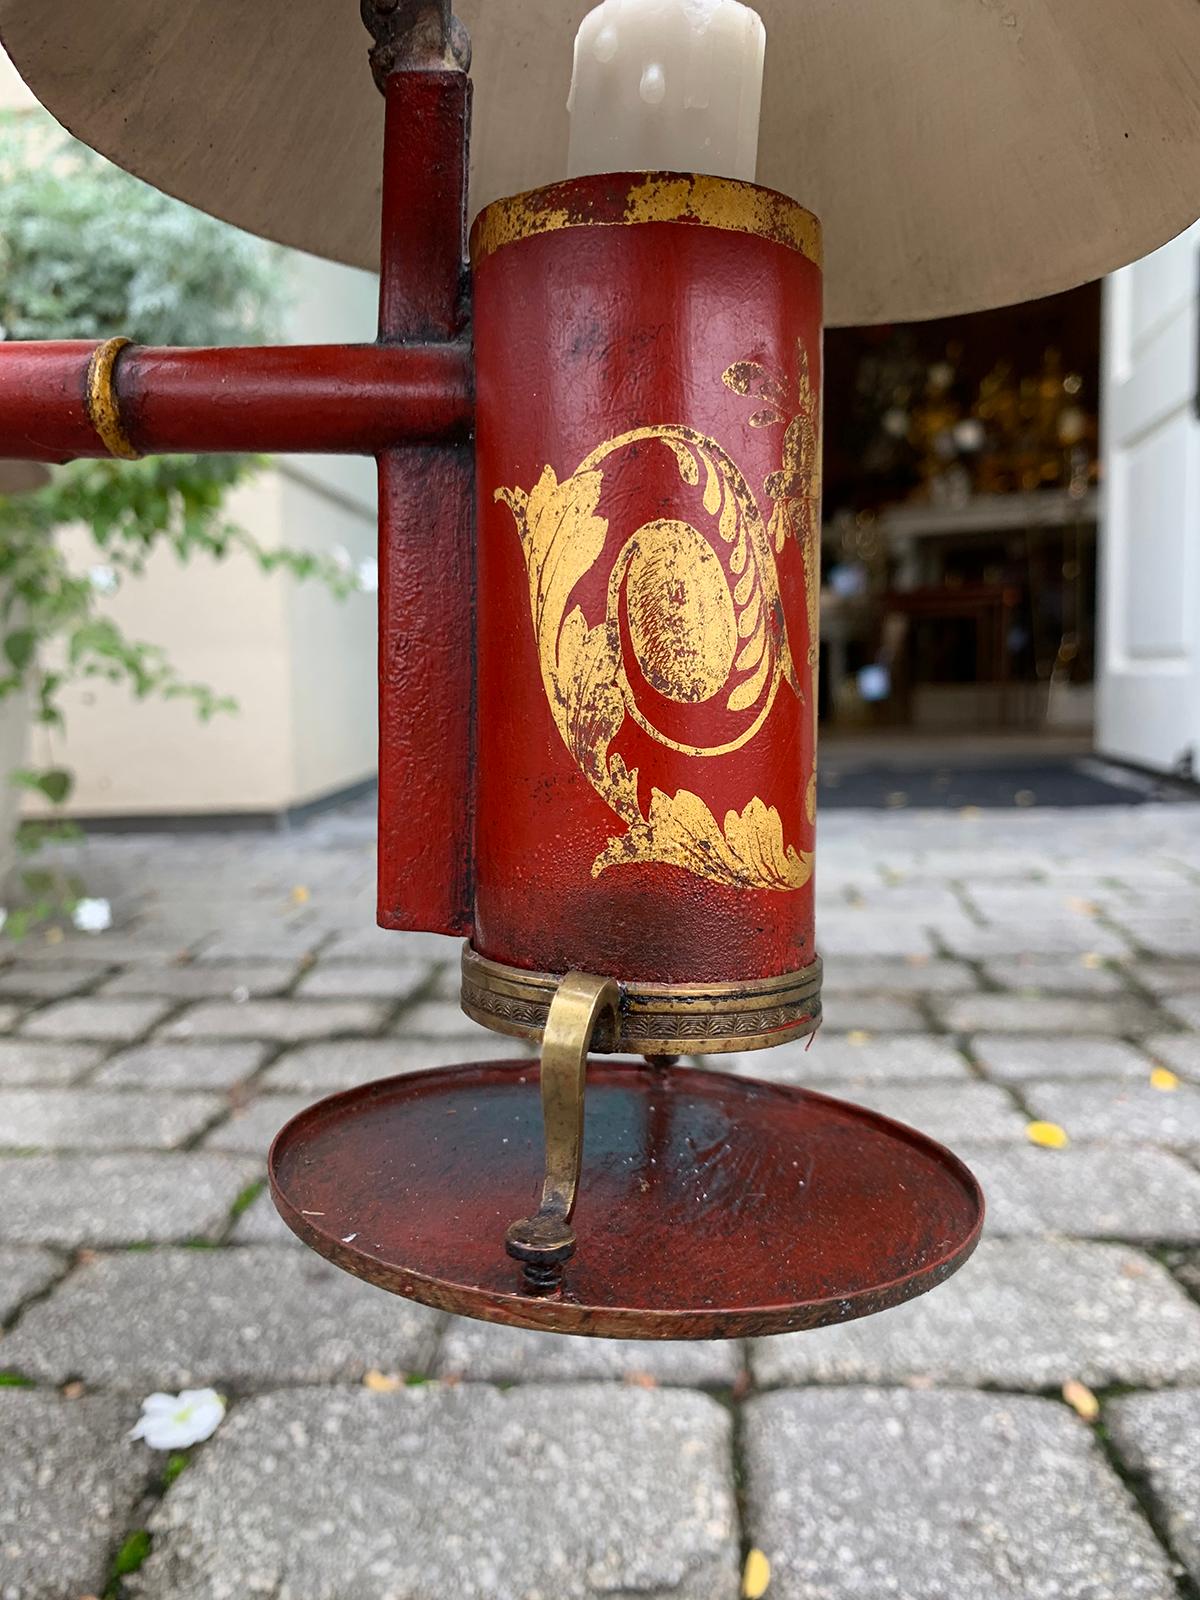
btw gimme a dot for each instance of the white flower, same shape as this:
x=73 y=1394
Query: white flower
x=368 y=575
x=103 y=580
x=174 y=1421
x=92 y=916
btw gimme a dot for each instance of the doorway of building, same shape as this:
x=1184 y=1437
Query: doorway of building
x=959 y=558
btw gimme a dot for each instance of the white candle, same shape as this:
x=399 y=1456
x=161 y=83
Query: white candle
x=667 y=85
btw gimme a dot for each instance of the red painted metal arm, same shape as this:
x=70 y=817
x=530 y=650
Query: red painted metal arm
x=407 y=400
x=357 y=399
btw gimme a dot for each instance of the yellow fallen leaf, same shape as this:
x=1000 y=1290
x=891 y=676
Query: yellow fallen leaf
x=641 y=1380
x=382 y=1382
x=858 y=1036
x=1081 y=1399
x=1163 y=1078
x=1048 y=1134
x=1090 y=960
x=756 y=1575
x=301 y=895
x=54 y=936
x=970 y=811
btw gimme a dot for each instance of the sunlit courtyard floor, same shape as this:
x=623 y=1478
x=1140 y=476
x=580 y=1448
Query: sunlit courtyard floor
x=1024 y=985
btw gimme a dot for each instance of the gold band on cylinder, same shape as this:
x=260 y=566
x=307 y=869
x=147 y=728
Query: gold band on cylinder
x=653 y=1018
x=682 y=197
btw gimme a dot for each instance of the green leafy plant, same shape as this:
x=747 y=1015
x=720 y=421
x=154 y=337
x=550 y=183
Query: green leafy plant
x=86 y=251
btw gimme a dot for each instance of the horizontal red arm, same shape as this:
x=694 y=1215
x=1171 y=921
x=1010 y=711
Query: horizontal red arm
x=346 y=399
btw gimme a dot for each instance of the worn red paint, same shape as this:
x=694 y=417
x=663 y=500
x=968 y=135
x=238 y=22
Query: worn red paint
x=43 y=411
x=355 y=399
x=426 y=532
x=711 y=1206
x=583 y=335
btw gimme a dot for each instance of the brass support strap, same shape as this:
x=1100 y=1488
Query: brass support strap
x=545 y=1241
x=103 y=407
x=654 y=1019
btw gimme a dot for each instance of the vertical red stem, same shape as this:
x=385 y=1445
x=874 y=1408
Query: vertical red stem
x=426 y=532
x=423 y=243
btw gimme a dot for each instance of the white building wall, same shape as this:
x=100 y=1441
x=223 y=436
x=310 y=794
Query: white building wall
x=300 y=663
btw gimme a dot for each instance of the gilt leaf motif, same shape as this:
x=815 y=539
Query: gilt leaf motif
x=588 y=690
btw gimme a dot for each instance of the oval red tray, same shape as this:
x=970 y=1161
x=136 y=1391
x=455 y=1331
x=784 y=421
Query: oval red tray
x=711 y=1205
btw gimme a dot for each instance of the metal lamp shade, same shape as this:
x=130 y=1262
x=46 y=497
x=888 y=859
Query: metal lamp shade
x=22 y=477
x=960 y=153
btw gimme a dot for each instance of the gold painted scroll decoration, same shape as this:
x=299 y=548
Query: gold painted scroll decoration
x=724 y=632
x=795 y=490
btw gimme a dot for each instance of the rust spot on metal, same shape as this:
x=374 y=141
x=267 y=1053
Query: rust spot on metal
x=414 y=36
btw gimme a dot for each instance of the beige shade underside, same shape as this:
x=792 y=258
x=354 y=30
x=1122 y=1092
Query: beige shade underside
x=21 y=477
x=961 y=153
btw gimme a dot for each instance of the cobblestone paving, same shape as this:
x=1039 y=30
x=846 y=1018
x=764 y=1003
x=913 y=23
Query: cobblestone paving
x=983 y=971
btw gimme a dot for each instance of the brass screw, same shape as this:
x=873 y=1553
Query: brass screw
x=543 y=1245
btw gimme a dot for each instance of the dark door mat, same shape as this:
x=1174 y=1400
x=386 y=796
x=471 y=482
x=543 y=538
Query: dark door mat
x=993 y=785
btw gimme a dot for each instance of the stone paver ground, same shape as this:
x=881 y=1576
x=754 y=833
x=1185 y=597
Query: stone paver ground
x=982 y=971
